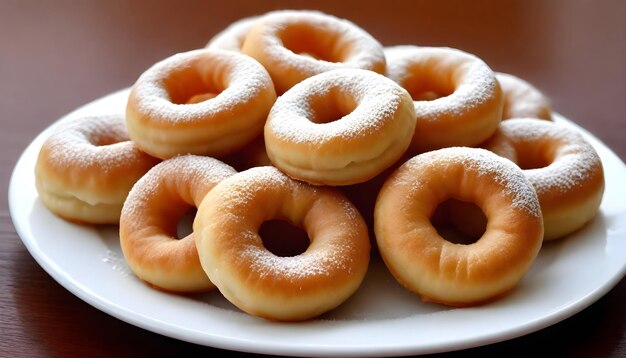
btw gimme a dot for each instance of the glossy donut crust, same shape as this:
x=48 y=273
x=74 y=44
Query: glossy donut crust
x=439 y=270
x=150 y=216
x=86 y=168
x=281 y=288
x=165 y=119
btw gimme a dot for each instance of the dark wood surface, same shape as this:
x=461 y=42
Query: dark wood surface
x=57 y=55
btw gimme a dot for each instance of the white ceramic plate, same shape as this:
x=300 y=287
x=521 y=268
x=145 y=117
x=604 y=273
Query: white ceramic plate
x=380 y=319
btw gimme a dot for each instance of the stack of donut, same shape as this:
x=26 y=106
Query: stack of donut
x=305 y=118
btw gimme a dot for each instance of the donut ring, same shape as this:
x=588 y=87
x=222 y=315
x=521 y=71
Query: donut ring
x=458 y=101
x=522 y=100
x=304 y=138
x=296 y=44
x=274 y=287
x=162 y=123
x=233 y=36
x=439 y=270
x=564 y=168
x=86 y=168
x=148 y=224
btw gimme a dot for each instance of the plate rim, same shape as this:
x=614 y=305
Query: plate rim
x=235 y=344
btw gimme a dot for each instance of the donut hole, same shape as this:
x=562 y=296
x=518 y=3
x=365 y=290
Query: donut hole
x=423 y=85
x=105 y=138
x=201 y=97
x=459 y=222
x=191 y=85
x=184 y=225
x=331 y=107
x=307 y=40
x=283 y=239
x=535 y=158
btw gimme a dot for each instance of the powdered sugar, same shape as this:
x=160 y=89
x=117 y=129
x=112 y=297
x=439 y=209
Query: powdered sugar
x=254 y=179
x=484 y=163
x=295 y=268
x=237 y=77
x=292 y=117
x=473 y=81
x=95 y=141
x=346 y=42
x=243 y=189
x=191 y=170
x=297 y=44
x=575 y=160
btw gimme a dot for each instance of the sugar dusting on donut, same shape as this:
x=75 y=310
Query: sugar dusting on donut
x=470 y=92
x=365 y=50
x=485 y=162
x=185 y=167
x=243 y=84
x=91 y=141
x=265 y=263
x=294 y=268
x=291 y=116
x=576 y=159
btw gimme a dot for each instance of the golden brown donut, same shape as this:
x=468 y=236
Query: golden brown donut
x=564 y=168
x=296 y=44
x=451 y=273
x=458 y=101
x=86 y=168
x=340 y=127
x=167 y=116
x=284 y=288
x=522 y=99
x=150 y=216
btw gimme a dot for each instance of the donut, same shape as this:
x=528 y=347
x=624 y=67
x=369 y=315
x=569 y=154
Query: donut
x=340 y=127
x=296 y=44
x=522 y=99
x=253 y=155
x=281 y=288
x=564 y=168
x=86 y=168
x=203 y=102
x=458 y=101
x=150 y=216
x=233 y=36
x=442 y=271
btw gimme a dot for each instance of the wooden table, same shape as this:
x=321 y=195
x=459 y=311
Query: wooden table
x=55 y=56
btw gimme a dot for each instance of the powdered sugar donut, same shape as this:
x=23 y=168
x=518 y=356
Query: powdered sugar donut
x=458 y=101
x=86 y=168
x=521 y=99
x=148 y=224
x=166 y=117
x=340 y=127
x=296 y=44
x=286 y=288
x=564 y=168
x=452 y=273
